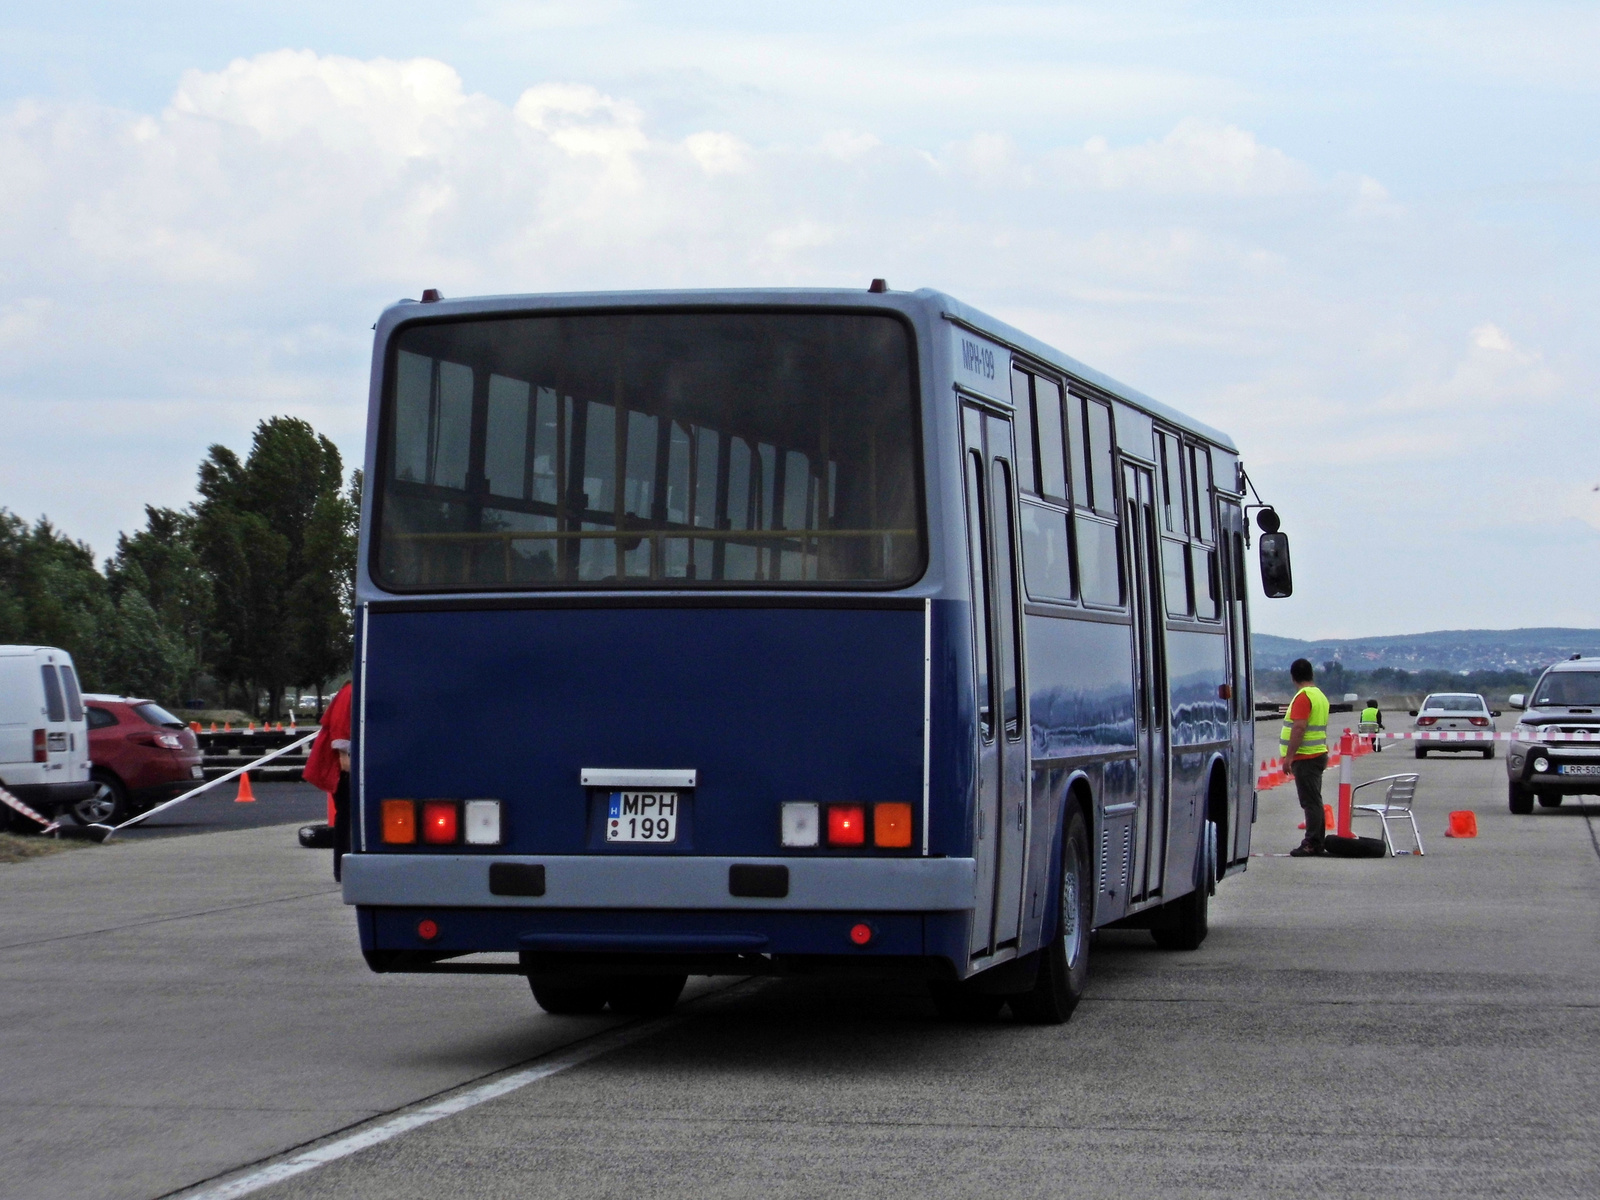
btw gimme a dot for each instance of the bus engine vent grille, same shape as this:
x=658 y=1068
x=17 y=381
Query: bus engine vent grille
x=1127 y=854
x=1105 y=857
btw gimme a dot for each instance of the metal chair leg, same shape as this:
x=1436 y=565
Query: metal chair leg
x=1416 y=834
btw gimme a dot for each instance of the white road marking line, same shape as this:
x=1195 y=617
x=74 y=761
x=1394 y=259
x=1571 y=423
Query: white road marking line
x=471 y=1097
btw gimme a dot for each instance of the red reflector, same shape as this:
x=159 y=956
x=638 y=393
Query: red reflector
x=1426 y=720
x=1479 y=721
x=861 y=933
x=427 y=930
x=847 y=825
x=40 y=751
x=440 y=822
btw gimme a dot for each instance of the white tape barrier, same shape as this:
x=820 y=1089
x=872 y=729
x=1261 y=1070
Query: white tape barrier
x=206 y=787
x=103 y=833
x=11 y=801
x=1482 y=735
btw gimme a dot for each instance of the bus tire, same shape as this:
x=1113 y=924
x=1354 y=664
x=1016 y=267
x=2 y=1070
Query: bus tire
x=645 y=995
x=1064 y=963
x=1521 y=799
x=568 y=995
x=1184 y=923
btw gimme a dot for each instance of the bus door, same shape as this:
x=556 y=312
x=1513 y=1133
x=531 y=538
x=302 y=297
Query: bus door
x=1149 y=683
x=1241 y=711
x=997 y=652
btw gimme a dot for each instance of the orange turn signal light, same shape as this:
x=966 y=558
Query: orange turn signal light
x=891 y=825
x=400 y=822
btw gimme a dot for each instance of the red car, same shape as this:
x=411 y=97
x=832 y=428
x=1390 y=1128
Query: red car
x=141 y=755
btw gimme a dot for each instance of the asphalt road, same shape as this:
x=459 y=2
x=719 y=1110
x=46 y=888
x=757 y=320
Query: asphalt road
x=1422 y=1026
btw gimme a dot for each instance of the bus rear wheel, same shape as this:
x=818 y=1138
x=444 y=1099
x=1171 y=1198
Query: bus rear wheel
x=1184 y=923
x=645 y=995
x=1064 y=963
x=569 y=995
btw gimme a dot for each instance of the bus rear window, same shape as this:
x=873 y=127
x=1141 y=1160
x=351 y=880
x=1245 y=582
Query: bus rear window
x=654 y=449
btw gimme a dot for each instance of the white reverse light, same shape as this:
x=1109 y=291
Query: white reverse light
x=482 y=822
x=801 y=824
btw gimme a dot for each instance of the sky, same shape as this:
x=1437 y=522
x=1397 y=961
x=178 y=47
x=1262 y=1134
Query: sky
x=1359 y=238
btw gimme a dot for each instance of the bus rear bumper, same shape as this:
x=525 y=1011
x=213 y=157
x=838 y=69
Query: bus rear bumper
x=715 y=942
x=637 y=881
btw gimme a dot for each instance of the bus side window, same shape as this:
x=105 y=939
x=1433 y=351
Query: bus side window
x=1022 y=401
x=977 y=546
x=1102 y=485
x=1005 y=578
x=1052 y=465
x=1200 y=490
x=1076 y=451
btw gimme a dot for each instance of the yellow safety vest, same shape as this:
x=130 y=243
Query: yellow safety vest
x=1315 y=741
x=1369 y=716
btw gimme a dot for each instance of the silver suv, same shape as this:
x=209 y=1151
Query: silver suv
x=1541 y=765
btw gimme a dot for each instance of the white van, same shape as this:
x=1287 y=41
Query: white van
x=44 y=741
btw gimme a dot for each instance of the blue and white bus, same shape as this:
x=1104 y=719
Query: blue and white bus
x=786 y=632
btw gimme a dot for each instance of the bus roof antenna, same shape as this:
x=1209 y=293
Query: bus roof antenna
x=878 y=285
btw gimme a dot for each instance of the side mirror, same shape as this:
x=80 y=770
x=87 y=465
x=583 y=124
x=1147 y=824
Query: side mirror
x=1518 y=700
x=1494 y=712
x=1277 y=580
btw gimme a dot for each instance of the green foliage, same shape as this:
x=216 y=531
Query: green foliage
x=1336 y=681
x=252 y=585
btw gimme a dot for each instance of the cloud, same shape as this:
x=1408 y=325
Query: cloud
x=177 y=274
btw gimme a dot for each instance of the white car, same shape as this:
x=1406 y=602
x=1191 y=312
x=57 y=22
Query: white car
x=44 y=739
x=1444 y=712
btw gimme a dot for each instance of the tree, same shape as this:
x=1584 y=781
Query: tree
x=277 y=538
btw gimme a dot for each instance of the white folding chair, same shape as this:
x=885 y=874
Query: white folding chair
x=1396 y=806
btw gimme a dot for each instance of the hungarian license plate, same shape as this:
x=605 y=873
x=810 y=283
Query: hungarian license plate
x=197 y=772
x=1578 y=769
x=642 y=817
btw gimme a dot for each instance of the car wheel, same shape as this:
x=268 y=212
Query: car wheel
x=1550 y=799
x=1521 y=799
x=568 y=995
x=645 y=995
x=1421 y=753
x=107 y=806
x=1064 y=963
x=1489 y=753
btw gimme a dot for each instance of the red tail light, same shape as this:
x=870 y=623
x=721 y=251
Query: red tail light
x=847 y=825
x=441 y=822
x=1426 y=720
x=1480 y=722
x=41 y=749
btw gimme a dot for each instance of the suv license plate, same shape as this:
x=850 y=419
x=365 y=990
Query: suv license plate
x=642 y=817
x=1578 y=769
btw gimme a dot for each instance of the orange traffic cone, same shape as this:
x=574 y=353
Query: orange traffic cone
x=227 y=727
x=252 y=727
x=332 y=816
x=195 y=726
x=1327 y=818
x=1463 y=824
x=246 y=795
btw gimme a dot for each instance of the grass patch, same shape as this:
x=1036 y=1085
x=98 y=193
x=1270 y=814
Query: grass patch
x=18 y=849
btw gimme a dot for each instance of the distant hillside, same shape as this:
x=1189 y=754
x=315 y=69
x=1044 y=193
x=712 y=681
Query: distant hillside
x=1446 y=650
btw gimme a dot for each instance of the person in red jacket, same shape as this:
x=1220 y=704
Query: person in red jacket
x=328 y=767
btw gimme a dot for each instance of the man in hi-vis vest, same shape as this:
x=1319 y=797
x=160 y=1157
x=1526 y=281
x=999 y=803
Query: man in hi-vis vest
x=1304 y=748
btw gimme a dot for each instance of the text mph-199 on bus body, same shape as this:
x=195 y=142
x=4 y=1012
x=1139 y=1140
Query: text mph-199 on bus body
x=786 y=632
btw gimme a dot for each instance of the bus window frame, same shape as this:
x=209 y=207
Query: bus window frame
x=385 y=449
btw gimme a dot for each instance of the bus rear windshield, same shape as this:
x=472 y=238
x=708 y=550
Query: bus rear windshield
x=750 y=449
